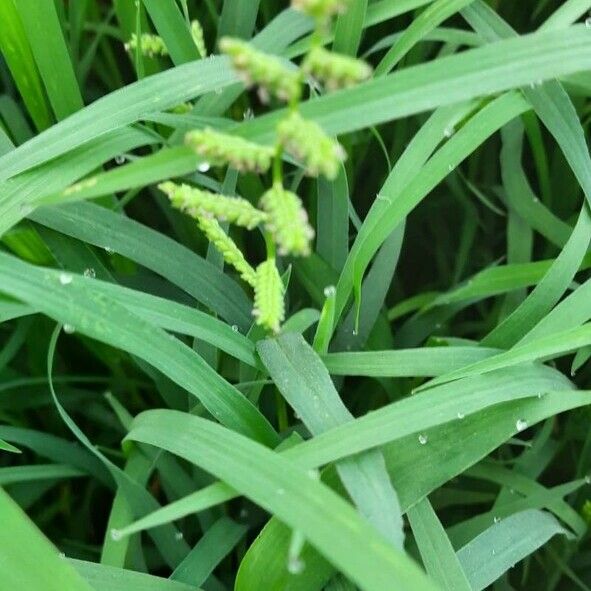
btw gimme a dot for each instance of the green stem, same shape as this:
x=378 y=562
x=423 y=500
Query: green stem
x=278 y=166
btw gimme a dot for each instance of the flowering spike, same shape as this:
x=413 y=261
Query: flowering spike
x=220 y=149
x=198 y=203
x=335 y=70
x=227 y=247
x=150 y=45
x=269 y=308
x=307 y=142
x=320 y=9
x=198 y=39
x=268 y=72
x=287 y=221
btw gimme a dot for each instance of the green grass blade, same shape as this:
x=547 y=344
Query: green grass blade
x=436 y=550
x=497 y=549
x=69 y=301
x=305 y=383
x=41 y=23
x=287 y=491
x=27 y=556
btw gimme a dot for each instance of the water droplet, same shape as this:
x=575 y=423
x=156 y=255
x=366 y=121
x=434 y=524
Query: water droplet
x=235 y=328
x=295 y=565
x=423 y=439
x=588 y=479
x=116 y=535
x=449 y=131
x=69 y=329
x=355 y=332
x=521 y=424
x=178 y=536
x=588 y=22
x=90 y=272
x=62 y=555
x=496 y=519
x=248 y=114
x=330 y=291
x=280 y=491
x=65 y=278
x=25 y=209
x=461 y=415
x=120 y=159
x=203 y=166
x=450 y=167
x=109 y=250
x=314 y=474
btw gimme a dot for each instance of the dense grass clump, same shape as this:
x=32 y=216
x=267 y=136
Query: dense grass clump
x=295 y=295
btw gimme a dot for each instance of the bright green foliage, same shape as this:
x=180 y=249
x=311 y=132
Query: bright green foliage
x=198 y=203
x=267 y=72
x=226 y=246
x=307 y=142
x=287 y=221
x=197 y=34
x=222 y=149
x=269 y=308
x=150 y=45
x=334 y=70
x=246 y=362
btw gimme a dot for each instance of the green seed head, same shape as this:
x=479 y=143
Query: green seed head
x=198 y=203
x=269 y=308
x=268 y=72
x=306 y=141
x=150 y=45
x=198 y=39
x=287 y=221
x=335 y=70
x=220 y=149
x=227 y=247
x=321 y=9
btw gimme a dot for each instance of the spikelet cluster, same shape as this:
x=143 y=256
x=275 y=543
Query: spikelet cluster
x=227 y=247
x=150 y=45
x=198 y=203
x=221 y=149
x=320 y=9
x=287 y=221
x=268 y=72
x=306 y=141
x=198 y=38
x=269 y=310
x=335 y=70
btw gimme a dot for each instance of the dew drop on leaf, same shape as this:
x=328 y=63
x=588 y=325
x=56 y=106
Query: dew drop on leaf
x=65 y=278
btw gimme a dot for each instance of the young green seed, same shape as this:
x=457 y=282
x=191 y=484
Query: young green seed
x=269 y=308
x=268 y=72
x=150 y=45
x=198 y=39
x=227 y=247
x=198 y=203
x=306 y=141
x=335 y=70
x=221 y=149
x=320 y=9
x=287 y=221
